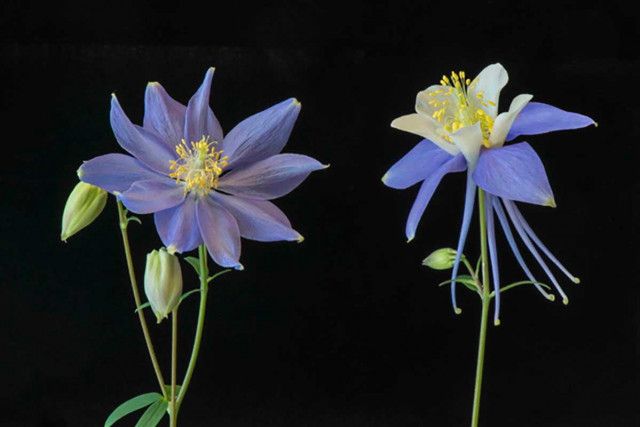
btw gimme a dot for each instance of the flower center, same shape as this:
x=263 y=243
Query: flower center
x=199 y=165
x=458 y=108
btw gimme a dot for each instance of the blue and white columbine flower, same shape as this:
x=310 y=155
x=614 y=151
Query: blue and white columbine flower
x=201 y=186
x=462 y=129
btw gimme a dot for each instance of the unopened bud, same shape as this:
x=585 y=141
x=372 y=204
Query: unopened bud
x=162 y=282
x=84 y=205
x=442 y=259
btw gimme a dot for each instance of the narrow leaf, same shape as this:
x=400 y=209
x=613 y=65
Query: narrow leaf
x=186 y=294
x=220 y=273
x=465 y=280
x=142 y=306
x=153 y=414
x=524 y=282
x=134 y=218
x=195 y=263
x=132 y=405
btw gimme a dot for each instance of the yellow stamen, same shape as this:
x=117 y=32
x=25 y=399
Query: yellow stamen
x=199 y=165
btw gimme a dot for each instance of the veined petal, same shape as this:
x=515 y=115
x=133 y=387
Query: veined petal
x=258 y=219
x=514 y=172
x=270 y=178
x=144 y=145
x=115 y=172
x=416 y=165
x=151 y=196
x=200 y=121
x=514 y=247
x=178 y=226
x=504 y=121
x=493 y=255
x=469 y=140
x=425 y=127
x=491 y=80
x=455 y=164
x=469 y=201
x=220 y=232
x=538 y=118
x=262 y=135
x=162 y=114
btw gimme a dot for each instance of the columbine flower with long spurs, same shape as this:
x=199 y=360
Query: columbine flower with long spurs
x=201 y=186
x=463 y=131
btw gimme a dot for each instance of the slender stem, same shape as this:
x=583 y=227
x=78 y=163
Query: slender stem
x=204 y=274
x=486 y=301
x=174 y=365
x=136 y=296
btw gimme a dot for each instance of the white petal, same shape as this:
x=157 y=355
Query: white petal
x=503 y=122
x=423 y=98
x=469 y=141
x=491 y=80
x=425 y=127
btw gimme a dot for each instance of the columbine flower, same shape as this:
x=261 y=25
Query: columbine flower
x=463 y=130
x=200 y=186
x=162 y=282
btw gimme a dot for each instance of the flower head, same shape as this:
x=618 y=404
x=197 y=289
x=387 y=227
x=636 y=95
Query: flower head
x=463 y=131
x=202 y=186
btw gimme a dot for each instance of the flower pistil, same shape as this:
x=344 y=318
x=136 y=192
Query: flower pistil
x=199 y=165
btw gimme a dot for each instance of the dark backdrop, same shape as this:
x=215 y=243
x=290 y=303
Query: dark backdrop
x=347 y=328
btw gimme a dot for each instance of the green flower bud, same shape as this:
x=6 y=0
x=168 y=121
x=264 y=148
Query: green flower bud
x=84 y=205
x=162 y=282
x=442 y=259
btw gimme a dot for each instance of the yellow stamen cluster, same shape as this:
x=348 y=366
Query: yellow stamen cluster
x=199 y=165
x=456 y=108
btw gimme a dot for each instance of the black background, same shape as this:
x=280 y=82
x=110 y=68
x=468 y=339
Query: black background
x=347 y=328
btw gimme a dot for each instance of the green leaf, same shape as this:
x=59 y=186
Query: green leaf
x=186 y=294
x=132 y=405
x=465 y=280
x=516 y=284
x=220 y=273
x=135 y=219
x=478 y=266
x=142 y=306
x=195 y=263
x=168 y=388
x=153 y=414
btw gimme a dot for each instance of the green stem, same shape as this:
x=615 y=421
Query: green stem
x=174 y=365
x=486 y=301
x=204 y=274
x=136 y=296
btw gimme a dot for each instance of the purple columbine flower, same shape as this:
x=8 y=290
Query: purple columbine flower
x=201 y=186
x=463 y=131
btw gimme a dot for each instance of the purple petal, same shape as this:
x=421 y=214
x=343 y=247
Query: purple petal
x=163 y=115
x=270 y=178
x=150 y=196
x=416 y=165
x=259 y=219
x=262 y=135
x=144 y=145
x=115 y=172
x=538 y=118
x=509 y=205
x=493 y=255
x=200 y=121
x=220 y=232
x=469 y=201
x=514 y=246
x=455 y=164
x=178 y=226
x=514 y=172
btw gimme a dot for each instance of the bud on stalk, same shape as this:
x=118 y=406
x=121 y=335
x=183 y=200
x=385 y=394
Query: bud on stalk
x=84 y=205
x=442 y=259
x=162 y=282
